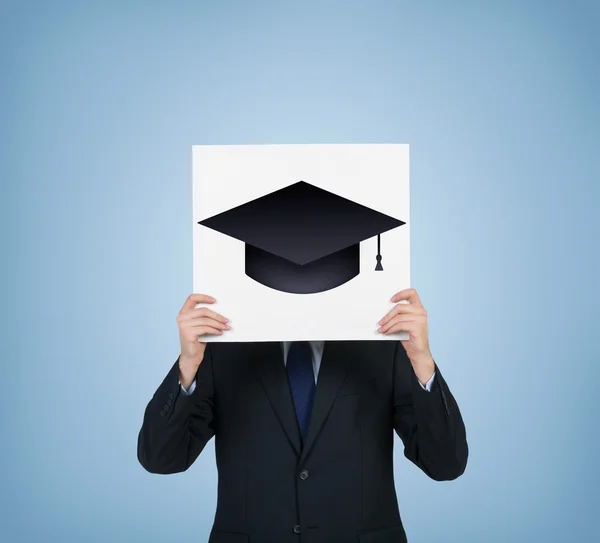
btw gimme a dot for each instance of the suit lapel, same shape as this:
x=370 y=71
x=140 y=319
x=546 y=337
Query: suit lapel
x=331 y=376
x=270 y=369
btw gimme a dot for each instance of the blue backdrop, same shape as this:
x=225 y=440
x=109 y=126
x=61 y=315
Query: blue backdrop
x=100 y=105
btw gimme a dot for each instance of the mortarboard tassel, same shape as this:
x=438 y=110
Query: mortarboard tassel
x=379 y=267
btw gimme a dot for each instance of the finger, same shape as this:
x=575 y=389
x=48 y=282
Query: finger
x=409 y=327
x=209 y=331
x=201 y=312
x=409 y=294
x=402 y=309
x=397 y=319
x=203 y=321
x=194 y=299
x=204 y=331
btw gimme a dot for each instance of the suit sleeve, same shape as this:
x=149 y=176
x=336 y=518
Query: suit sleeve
x=176 y=427
x=428 y=423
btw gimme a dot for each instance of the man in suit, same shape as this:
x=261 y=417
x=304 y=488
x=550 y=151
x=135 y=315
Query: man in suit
x=304 y=430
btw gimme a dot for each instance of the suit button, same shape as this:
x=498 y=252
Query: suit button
x=304 y=475
x=163 y=413
x=170 y=395
x=297 y=528
x=167 y=407
x=169 y=401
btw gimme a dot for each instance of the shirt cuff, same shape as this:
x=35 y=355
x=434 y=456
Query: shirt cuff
x=191 y=389
x=427 y=386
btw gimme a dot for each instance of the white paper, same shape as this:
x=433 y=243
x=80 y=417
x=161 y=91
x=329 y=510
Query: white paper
x=374 y=175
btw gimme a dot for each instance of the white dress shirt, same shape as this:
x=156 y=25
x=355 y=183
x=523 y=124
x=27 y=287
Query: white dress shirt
x=317 y=352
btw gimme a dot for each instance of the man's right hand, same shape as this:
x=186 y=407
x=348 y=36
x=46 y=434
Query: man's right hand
x=195 y=322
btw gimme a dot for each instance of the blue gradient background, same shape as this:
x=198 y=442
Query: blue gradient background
x=100 y=105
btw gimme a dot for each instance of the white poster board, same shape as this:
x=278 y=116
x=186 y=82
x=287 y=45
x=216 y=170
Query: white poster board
x=371 y=175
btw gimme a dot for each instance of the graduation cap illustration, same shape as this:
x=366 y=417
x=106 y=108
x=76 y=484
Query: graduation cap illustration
x=302 y=239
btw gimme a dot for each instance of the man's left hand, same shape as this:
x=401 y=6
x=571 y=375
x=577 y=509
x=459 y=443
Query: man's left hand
x=411 y=317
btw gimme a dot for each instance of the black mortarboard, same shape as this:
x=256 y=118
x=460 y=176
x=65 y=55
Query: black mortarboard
x=301 y=238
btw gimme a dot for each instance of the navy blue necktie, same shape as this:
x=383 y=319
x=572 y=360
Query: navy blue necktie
x=302 y=382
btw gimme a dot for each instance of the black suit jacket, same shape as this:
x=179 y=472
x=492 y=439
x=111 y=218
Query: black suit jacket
x=337 y=487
